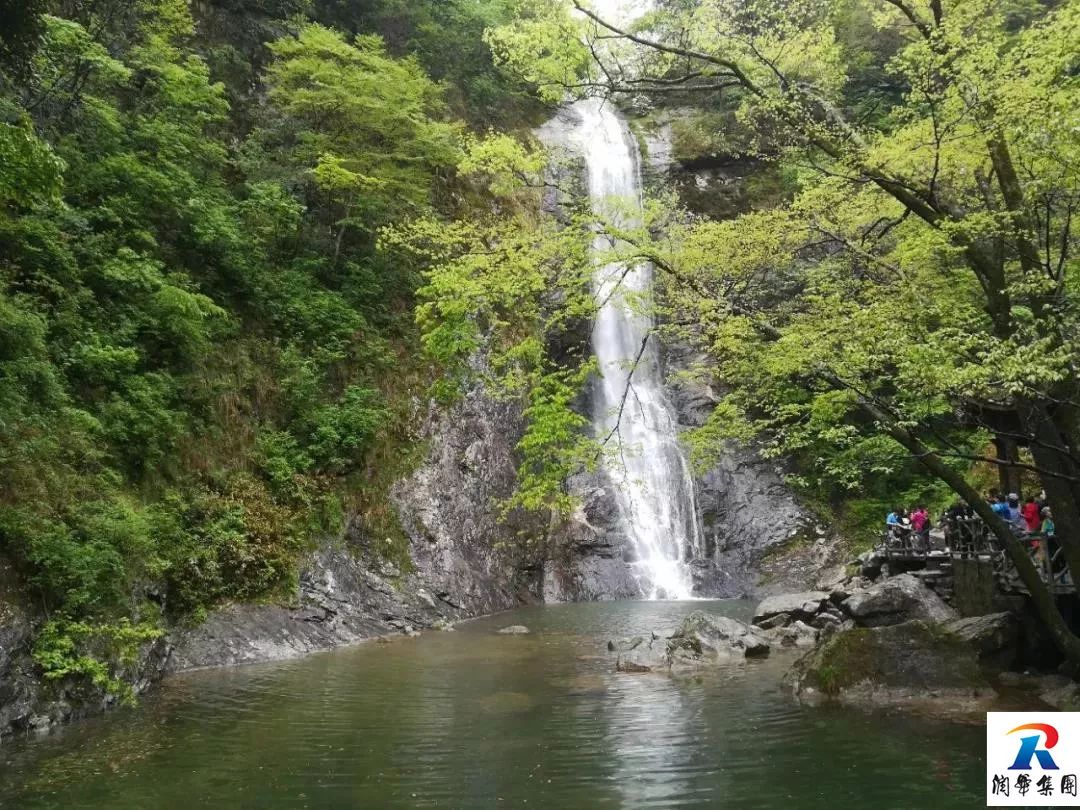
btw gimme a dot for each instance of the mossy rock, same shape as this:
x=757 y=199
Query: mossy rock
x=912 y=664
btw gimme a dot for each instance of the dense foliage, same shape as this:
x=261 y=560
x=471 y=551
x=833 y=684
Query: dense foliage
x=447 y=38
x=206 y=356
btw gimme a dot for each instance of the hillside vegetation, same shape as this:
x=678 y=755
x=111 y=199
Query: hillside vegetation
x=207 y=360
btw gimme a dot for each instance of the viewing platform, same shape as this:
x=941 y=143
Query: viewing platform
x=968 y=541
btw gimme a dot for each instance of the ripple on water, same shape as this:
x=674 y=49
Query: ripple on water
x=465 y=719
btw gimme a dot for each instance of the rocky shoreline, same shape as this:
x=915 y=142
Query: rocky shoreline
x=891 y=644
x=895 y=643
x=463 y=562
x=340 y=601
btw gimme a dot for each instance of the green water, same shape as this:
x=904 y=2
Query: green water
x=473 y=719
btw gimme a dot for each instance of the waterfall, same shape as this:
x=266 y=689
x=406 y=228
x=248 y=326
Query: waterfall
x=650 y=474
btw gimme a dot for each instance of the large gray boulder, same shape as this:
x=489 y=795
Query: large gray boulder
x=914 y=666
x=794 y=605
x=897 y=600
x=641 y=654
x=993 y=637
x=701 y=640
x=988 y=634
x=717 y=636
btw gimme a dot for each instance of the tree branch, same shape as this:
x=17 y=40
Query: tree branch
x=626 y=390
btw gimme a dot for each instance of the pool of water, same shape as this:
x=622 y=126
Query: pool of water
x=473 y=719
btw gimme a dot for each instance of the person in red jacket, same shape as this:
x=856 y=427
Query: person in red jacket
x=1030 y=512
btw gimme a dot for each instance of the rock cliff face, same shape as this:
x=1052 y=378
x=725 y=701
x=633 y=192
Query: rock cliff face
x=746 y=510
x=465 y=562
x=26 y=703
x=450 y=510
x=18 y=623
x=589 y=556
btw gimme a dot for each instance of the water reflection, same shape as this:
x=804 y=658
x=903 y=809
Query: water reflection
x=473 y=719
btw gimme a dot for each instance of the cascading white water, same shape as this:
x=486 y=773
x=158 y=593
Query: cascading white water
x=650 y=474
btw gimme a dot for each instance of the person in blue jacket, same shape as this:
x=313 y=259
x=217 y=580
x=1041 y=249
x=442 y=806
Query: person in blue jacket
x=1001 y=507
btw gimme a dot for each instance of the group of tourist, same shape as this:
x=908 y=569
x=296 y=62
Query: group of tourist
x=917 y=522
x=1033 y=517
x=1031 y=520
x=918 y=519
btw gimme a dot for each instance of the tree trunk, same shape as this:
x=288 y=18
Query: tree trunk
x=1008 y=473
x=1061 y=490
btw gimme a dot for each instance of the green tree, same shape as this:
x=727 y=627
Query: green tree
x=506 y=295
x=446 y=37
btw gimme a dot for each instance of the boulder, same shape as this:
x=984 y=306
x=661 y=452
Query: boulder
x=716 y=636
x=797 y=634
x=631 y=667
x=795 y=605
x=1064 y=698
x=702 y=640
x=779 y=620
x=870 y=564
x=993 y=636
x=514 y=630
x=827 y=617
x=755 y=646
x=832 y=579
x=897 y=600
x=639 y=654
x=913 y=665
x=853 y=585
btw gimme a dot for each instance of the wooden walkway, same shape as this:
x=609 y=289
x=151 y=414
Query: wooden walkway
x=970 y=539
